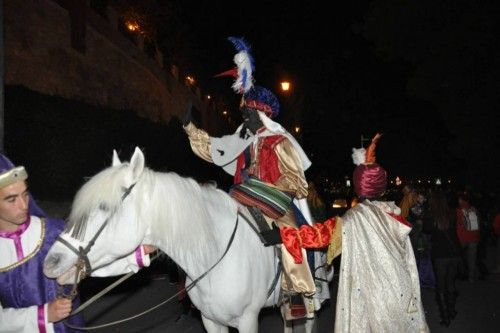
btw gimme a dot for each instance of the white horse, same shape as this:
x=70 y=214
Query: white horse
x=191 y=223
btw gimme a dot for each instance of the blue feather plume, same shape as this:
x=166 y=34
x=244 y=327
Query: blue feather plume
x=240 y=44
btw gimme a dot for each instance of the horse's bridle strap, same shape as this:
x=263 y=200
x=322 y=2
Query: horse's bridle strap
x=80 y=252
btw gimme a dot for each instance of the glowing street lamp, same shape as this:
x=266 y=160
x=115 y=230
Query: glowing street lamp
x=132 y=26
x=190 y=80
x=285 y=85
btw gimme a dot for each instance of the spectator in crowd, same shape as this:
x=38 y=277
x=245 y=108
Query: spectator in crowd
x=446 y=256
x=316 y=204
x=408 y=201
x=468 y=233
x=420 y=241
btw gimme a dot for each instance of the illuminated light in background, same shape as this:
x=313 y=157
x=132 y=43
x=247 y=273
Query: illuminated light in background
x=132 y=26
x=285 y=86
x=297 y=129
x=209 y=97
x=398 y=181
x=339 y=203
x=438 y=181
x=190 y=80
x=348 y=183
x=224 y=112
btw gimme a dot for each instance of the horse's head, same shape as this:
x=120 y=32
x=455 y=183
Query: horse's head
x=103 y=220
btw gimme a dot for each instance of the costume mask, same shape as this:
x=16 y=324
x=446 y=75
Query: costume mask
x=251 y=120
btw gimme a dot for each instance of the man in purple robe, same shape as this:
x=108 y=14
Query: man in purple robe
x=28 y=300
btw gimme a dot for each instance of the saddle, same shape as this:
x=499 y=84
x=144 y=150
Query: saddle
x=269 y=199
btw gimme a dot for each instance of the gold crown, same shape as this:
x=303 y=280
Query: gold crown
x=12 y=176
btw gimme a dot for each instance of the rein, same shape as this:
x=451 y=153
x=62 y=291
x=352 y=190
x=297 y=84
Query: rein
x=106 y=290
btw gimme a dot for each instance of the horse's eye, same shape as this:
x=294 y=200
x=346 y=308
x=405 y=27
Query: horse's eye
x=103 y=207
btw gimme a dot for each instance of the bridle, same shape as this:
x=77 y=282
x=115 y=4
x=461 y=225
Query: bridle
x=83 y=267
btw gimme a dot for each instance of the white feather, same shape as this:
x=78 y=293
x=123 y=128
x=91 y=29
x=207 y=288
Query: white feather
x=358 y=155
x=242 y=61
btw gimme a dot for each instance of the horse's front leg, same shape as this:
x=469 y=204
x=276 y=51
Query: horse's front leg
x=213 y=327
x=248 y=323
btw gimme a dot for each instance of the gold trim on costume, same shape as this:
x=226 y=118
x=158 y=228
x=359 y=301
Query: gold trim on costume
x=32 y=254
x=335 y=247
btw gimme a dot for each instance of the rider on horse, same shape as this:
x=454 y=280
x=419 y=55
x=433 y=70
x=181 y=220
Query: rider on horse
x=268 y=166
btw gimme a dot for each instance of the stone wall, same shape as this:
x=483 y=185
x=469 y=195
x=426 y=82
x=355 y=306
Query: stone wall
x=112 y=72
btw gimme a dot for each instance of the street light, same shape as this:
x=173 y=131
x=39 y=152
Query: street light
x=132 y=26
x=285 y=85
x=190 y=80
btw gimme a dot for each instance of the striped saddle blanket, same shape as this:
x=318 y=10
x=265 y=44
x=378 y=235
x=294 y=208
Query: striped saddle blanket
x=256 y=193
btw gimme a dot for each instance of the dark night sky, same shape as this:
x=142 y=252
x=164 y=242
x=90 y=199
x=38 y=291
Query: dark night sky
x=425 y=73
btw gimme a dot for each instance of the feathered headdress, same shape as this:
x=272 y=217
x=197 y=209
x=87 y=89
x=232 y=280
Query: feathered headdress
x=243 y=72
x=366 y=156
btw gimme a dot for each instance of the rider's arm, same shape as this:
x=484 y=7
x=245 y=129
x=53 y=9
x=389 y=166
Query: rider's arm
x=30 y=319
x=292 y=177
x=131 y=263
x=316 y=236
x=200 y=142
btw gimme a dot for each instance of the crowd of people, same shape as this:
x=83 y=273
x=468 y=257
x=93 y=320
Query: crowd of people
x=451 y=233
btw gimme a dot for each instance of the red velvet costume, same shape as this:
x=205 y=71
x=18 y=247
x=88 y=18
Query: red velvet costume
x=267 y=168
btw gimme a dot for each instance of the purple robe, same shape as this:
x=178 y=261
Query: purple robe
x=26 y=285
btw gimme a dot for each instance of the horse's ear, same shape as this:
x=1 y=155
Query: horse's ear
x=116 y=159
x=137 y=163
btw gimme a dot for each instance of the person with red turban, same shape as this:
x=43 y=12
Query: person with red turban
x=379 y=289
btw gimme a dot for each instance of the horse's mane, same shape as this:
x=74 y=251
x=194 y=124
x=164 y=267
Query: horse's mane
x=183 y=214
x=103 y=191
x=189 y=215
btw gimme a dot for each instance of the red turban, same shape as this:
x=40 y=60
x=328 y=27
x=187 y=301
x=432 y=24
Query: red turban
x=370 y=180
